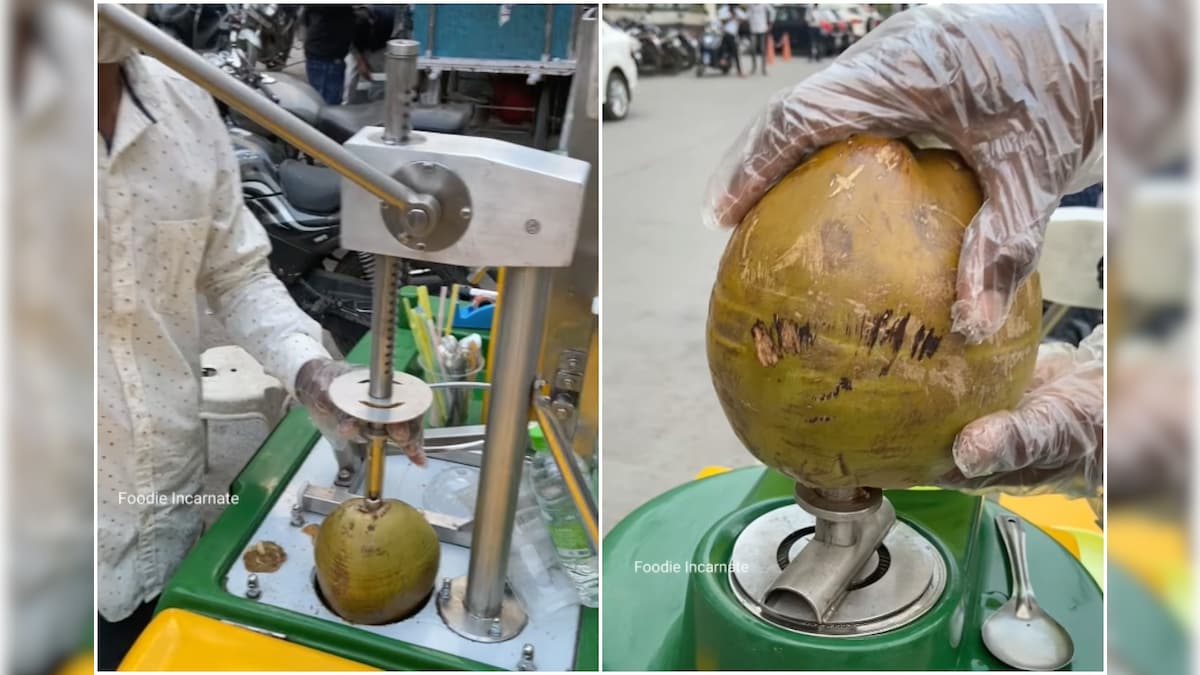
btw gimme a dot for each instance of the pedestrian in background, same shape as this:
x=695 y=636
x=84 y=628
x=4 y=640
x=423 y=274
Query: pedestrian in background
x=374 y=25
x=731 y=18
x=328 y=32
x=814 y=34
x=761 y=18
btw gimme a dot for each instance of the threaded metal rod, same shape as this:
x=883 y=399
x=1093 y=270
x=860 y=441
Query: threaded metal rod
x=383 y=326
x=383 y=336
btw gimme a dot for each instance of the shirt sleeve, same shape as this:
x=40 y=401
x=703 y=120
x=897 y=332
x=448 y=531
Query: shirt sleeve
x=236 y=279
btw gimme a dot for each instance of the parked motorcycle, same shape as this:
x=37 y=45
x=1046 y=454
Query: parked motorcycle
x=712 y=55
x=661 y=51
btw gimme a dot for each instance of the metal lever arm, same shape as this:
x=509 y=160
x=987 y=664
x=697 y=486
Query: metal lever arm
x=257 y=107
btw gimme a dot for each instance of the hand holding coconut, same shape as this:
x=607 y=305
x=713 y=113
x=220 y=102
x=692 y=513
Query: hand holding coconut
x=819 y=340
x=1053 y=440
x=1016 y=90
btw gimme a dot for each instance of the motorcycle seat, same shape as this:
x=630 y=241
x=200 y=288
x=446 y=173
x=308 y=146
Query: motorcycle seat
x=314 y=189
x=340 y=122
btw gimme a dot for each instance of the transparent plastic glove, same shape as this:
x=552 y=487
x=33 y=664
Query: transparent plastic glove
x=1053 y=441
x=1017 y=90
x=312 y=390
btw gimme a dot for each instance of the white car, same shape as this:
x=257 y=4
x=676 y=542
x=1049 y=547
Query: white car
x=862 y=19
x=618 y=69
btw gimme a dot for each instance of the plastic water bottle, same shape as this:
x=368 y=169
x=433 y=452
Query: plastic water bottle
x=558 y=512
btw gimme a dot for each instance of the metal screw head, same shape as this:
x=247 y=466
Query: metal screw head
x=465 y=212
x=495 y=629
x=253 y=591
x=573 y=363
x=420 y=246
x=343 y=473
x=526 y=663
x=297 y=515
x=532 y=226
x=418 y=219
x=426 y=166
x=562 y=410
x=444 y=593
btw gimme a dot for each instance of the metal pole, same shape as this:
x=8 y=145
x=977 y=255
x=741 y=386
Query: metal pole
x=521 y=314
x=256 y=106
x=401 y=83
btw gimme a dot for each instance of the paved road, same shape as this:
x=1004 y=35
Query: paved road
x=662 y=422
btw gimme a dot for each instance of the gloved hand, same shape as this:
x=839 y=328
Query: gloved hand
x=312 y=389
x=1017 y=90
x=1053 y=441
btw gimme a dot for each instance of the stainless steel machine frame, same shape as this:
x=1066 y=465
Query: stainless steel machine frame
x=521 y=310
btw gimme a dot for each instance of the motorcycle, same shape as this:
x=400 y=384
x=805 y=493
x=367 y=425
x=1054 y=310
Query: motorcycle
x=712 y=54
x=661 y=51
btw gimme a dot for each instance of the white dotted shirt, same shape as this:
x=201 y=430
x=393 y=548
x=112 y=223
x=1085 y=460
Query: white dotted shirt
x=172 y=226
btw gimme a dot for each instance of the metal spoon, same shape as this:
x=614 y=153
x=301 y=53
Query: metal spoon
x=1021 y=633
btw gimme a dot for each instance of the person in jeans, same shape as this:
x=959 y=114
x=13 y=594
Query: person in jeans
x=329 y=30
x=374 y=25
x=814 y=34
x=731 y=18
x=760 y=18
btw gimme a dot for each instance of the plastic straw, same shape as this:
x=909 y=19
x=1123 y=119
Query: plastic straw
x=441 y=311
x=453 y=309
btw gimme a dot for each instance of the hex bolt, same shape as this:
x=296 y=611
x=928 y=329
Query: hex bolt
x=526 y=663
x=495 y=630
x=253 y=590
x=343 y=474
x=418 y=219
x=297 y=515
x=532 y=226
x=444 y=593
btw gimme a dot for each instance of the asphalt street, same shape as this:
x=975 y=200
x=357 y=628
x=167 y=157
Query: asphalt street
x=662 y=422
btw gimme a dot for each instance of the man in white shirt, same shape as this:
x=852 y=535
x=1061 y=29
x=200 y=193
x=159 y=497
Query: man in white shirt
x=760 y=17
x=731 y=18
x=172 y=226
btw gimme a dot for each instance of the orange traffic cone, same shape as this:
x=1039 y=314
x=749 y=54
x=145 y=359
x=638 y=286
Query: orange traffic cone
x=787 y=47
x=770 y=57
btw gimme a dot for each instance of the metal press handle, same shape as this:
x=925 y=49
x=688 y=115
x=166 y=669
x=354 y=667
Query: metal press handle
x=1012 y=532
x=255 y=106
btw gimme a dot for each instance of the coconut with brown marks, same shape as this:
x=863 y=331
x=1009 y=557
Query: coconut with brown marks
x=376 y=565
x=829 y=333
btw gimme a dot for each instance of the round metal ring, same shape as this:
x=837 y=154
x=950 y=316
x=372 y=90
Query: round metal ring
x=454 y=208
x=411 y=397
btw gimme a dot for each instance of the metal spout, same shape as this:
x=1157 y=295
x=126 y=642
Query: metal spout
x=815 y=582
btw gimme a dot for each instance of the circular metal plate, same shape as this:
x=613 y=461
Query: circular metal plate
x=451 y=606
x=454 y=202
x=900 y=582
x=411 y=397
